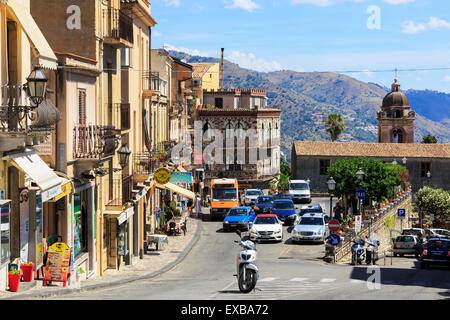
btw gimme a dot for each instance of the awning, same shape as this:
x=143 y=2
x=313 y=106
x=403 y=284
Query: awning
x=121 y=216
x=39 y=172
x=47 y=58
x=66 y=189
x=176 y=189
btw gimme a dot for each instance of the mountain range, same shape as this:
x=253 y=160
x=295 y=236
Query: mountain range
x=306 y=98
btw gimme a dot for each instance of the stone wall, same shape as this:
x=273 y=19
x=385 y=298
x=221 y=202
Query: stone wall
x=384 y=235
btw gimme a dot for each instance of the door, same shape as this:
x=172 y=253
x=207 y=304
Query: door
x=104 y=249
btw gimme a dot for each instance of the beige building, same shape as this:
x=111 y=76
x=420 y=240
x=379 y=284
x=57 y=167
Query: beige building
x=205 y=76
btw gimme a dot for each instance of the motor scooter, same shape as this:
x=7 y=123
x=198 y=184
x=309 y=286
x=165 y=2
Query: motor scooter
x=372 y=251
x=247 y=271
x=358 y=251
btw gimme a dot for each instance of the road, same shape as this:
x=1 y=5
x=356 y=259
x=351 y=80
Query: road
x=287 y=271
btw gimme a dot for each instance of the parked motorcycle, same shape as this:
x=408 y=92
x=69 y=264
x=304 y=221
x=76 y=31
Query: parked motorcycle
x=358 y=251
x=372 y=251
x=247 y=271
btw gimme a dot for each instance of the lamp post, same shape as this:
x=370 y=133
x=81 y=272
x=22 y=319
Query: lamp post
x=124 y=156
x=428 y=177
x=360 y=176
x=404 y=161
x=331 y=187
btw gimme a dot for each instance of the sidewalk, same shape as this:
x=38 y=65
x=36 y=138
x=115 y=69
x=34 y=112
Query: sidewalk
x=153 y=264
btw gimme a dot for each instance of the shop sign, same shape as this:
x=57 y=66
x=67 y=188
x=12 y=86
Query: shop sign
x=45 y=148
x=162 y=176
x=58 y=263
x=66 y=190
x=51 y=193
x=24 y=223
x=181 y=177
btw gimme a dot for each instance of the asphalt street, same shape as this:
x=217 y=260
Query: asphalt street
x=287 y=271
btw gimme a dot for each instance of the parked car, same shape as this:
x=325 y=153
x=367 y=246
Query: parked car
x=285 y=210
x=311 y=227
x=310 y=208
x=239 y=218
x=266 y=227
x=441 y=233
x=407 y=244
x=264 y=204
x=251 y=195
x=300 y=190
x=419 y=232
x=435 y=251
x=282 y=195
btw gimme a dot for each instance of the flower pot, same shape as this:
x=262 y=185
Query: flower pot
x=27 y=272
x=339 y=233
x=14 y=281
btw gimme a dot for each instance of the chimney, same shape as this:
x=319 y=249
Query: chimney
x=221 y=71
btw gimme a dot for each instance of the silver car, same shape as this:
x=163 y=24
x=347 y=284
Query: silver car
x=311 y=227
x=406 y=244
x=251 y=195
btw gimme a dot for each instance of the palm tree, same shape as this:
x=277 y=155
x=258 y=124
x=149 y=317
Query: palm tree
x=335 y=125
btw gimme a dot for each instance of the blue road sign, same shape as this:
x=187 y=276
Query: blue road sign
x=334 y=239
x=361 y=194
x=401 y=212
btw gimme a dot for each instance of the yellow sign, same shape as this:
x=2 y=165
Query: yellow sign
x=66 y=190
x=162 y=176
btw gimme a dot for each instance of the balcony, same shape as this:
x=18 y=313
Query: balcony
x=142 y=167
x=119 y=193
x=119 y=115
x=94 y=142
x=20 y=122
x=151 y=84
x=118 y=28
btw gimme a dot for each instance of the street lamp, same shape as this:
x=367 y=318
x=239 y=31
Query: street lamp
x=428 y=177
x=331 y=188
x=395 y=162
x=36 y=86
x=404 y=160
x=360 y=176
x=124 y=156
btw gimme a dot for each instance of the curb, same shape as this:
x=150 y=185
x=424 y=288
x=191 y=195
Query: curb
x=118 y=282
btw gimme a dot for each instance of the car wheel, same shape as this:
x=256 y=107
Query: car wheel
x=423 y=265
x=395 y=254
x=402 y=254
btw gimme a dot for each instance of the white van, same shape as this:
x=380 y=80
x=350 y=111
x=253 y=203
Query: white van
x=300 y=190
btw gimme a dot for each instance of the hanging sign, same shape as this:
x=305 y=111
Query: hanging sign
x=181 y=177
x=58 y=263
x=162 y=176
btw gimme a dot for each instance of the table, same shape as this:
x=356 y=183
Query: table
x=179 y=222
x=158 y=239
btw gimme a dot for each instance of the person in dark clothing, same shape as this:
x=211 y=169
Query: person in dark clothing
x=337 y=210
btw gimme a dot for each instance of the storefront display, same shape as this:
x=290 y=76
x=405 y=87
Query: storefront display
x=24 y=223
x=80 y=222
x=4 y=231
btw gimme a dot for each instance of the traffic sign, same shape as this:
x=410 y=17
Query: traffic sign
x=334 y=225
x=431 y=216
x=358 y=223
x=361 y=194
x=334 y=239
x=401 y=213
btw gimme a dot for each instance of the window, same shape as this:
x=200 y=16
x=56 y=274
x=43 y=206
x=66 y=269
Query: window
x=425 y=167
x=82 y=118
x=237 y=102
x=4 y=233
x=207 y=131
x=218 y=102
x=397 y=136
x=229 y=131
x=252 y=105
x=324 y=164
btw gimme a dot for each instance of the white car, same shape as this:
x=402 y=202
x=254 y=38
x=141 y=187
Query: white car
x=300 y=191
x=251 y=195
x=311 y=227
x=266 y=227
x=440 y=233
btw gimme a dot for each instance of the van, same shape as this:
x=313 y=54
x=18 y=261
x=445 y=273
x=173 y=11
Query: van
x=300 y=191
x=224 y=196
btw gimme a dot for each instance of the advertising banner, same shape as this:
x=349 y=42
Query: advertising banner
x=24 y=223
x=181 y=177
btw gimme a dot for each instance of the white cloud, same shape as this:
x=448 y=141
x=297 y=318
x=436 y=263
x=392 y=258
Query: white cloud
x=156 y=33
x=192 y=52
x=395 y=2
x=175 y=3
x=249 y=61
x=247 y=5
x=447 y=78
x=411 y=27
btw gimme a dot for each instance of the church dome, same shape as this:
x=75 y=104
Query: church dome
x=395 y=98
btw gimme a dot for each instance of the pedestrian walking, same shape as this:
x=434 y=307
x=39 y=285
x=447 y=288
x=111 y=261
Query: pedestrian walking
x=190 y=205
x=337 y=210
x=198 y=205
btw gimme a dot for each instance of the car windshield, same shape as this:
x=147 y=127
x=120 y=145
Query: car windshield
x=442 y=232
x=411 y=232
x=299 y=186
x=303 y=211
x=283 y=205
x=311 y=221
x=238 y=212
x=404 y=239
x=224 y=194
x=266 y=220
x=264 y=200
x=253 y=193
x=438 y=245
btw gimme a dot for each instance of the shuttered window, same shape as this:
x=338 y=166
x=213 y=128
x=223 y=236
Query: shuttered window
x=82 y=116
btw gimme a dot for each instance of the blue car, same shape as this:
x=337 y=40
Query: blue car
x=239 y=218
x=263 y=204
x=283 y=195
x=285 y=210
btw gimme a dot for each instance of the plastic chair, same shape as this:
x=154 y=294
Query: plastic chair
x=172 y=228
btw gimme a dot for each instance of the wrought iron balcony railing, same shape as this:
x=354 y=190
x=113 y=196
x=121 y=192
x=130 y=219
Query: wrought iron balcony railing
x=119 y=115
x=93 y=142
x=151 y=81
x=117 y=25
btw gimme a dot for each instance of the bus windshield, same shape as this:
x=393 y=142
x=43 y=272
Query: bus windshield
x=222 y=194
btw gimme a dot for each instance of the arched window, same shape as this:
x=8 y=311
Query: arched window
x=239 y=130
x=397 y=114
x=207 y=130
x=262 y=134
x=229 y=131
x=269 y=135
x=397 y=136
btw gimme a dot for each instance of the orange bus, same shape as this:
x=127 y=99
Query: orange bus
x=224 y=196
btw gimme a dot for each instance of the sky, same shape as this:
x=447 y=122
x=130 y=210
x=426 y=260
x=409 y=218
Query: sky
x=365 y=39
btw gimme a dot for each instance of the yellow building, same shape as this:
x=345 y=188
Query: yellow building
x=206 y=76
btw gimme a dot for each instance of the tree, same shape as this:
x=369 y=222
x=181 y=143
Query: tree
x=436 y=201
x=285 y=168
x=429 y=139
x=335 y=125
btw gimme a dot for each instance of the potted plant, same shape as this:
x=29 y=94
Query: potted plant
x=27 y=271
x=14 y=280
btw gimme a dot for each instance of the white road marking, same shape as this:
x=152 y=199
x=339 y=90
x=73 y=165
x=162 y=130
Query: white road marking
x=357 y=281
x=267 y=279
x=298 y=279
x=327 y=280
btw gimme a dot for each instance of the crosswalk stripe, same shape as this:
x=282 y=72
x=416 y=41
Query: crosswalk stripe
x=298 y=279
x=267 y=279
x=357 y=281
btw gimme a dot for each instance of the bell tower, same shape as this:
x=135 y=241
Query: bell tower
x=396 y=119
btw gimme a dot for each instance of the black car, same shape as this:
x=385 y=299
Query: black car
x=435 y=251
x=264 y=204
x=281 y=195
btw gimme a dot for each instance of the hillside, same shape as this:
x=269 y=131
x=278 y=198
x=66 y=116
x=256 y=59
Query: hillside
x=305 y=99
